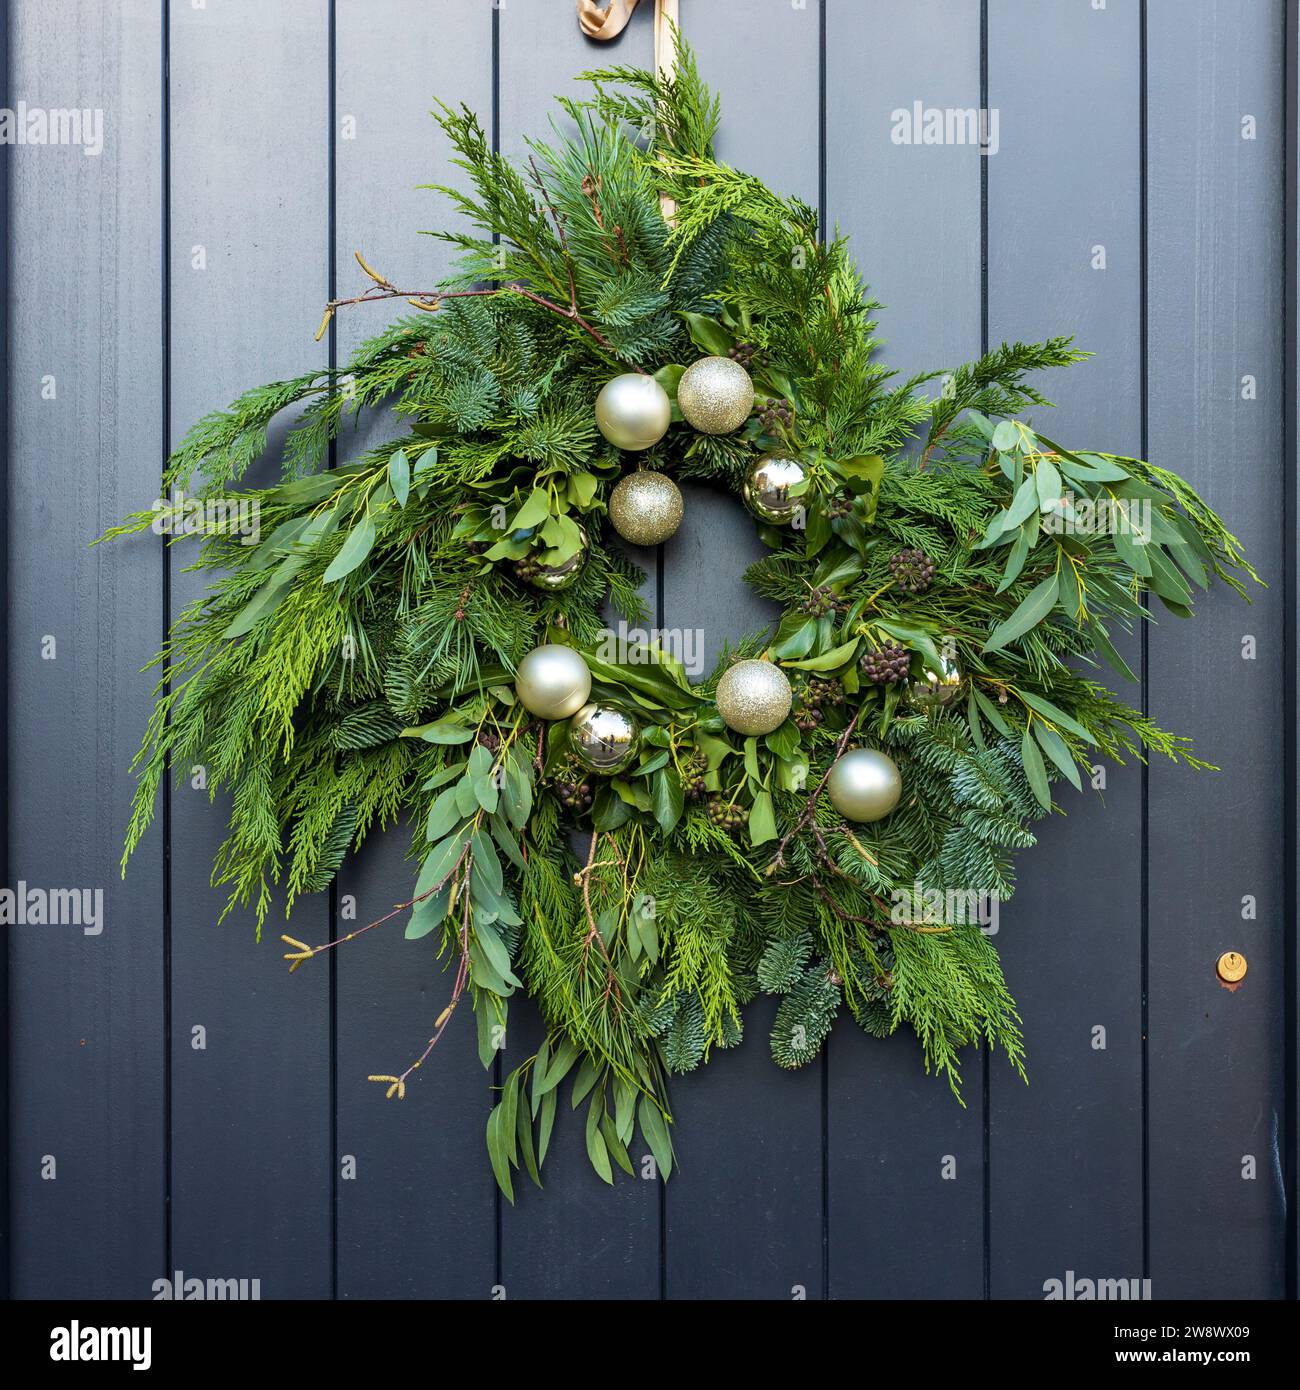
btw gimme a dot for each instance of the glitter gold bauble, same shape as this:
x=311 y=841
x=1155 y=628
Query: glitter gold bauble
x=604 y=738
x=753 y=697
x=633 y=411
x=768 y=490
x=553 y=681
x=646 y=507
x=933 y=691
x=715 y=395
x=865 y=785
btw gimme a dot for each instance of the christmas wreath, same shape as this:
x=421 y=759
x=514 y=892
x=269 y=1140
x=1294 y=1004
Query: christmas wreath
x=419 y=632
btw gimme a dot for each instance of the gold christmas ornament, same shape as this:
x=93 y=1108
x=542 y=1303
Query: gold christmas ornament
x=553 y=681
x=715 y=395
x=604 y=738
x=553 y=578
x=754 y=697
x=933 y=691
x=768 y=488
x=646 y=507
x=865 y=785
x=633 y=411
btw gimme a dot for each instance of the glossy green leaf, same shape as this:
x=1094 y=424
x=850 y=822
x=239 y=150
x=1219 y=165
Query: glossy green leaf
x=762 y=820
x=669 y=800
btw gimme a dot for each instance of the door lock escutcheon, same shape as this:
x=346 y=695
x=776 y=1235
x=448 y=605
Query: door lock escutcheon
x=1231 y=968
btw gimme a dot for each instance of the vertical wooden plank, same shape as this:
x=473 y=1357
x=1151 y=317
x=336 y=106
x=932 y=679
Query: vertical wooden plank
x=551 y=1247
x=898 y=1227
x=1215 y=861
x=1065 y=256
x=84 y=438
x=1291 y=462
x=422 y=1181
x=249 y=260
x=6 y=1230
x=744 y=1208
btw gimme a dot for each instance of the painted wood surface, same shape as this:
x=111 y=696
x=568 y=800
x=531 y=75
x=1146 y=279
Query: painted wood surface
x=1131 y=193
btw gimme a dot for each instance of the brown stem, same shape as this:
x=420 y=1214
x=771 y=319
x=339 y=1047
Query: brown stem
x=431 y=299
x=811 y=804
x=593 y=931
x=306 y=952
x=458 y=988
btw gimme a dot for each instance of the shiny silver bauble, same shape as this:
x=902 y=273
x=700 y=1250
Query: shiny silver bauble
x=754 y=697
x=932 y=690
x=553 y=578
x=769 y=488
x=553 y=681
x=715 y=395
x=604 y=738
x=865 y=785
x=633 y=411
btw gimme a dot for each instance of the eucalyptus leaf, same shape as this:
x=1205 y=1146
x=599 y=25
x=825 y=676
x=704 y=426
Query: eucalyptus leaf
x=399 y=476
x=1031 y=611
x=1035 y=770
x=358 y=544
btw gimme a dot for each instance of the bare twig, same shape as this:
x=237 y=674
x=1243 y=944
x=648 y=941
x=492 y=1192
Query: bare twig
x=431 y=300
x=306 y=952
x=810 y=805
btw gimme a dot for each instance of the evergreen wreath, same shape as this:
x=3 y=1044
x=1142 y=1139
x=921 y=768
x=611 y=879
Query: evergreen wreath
x=942 y=597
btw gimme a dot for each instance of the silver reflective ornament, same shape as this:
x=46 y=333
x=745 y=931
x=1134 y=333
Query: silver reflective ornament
x=633 y=411
x=865 y=784
x=933 y=691
x=646 y=507
x=715 y=395
x=769 y=484
x=553 y=681
x=553 y=578
x=604 y=738
x=754 y=697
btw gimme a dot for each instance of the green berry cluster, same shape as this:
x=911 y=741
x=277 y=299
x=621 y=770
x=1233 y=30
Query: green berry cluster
x=815 y=697
x=725 y=816
x=913 y=570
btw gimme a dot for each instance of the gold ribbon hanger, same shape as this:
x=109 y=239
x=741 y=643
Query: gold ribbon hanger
x=609 y=23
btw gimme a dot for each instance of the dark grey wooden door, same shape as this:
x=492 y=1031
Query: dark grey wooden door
x=178 y=1103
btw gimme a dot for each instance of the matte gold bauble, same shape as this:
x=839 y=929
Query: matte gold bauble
x=754 y=697
x=715 y=395
x=646 y=507
x=553 y=681
x=768 y=490
x=633 y=411
x=604 y=738
x=553 y=578
x=933 y=691
x=865 y=785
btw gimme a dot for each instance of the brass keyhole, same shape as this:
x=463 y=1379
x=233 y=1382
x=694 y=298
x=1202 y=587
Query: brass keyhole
x=1231 y=967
